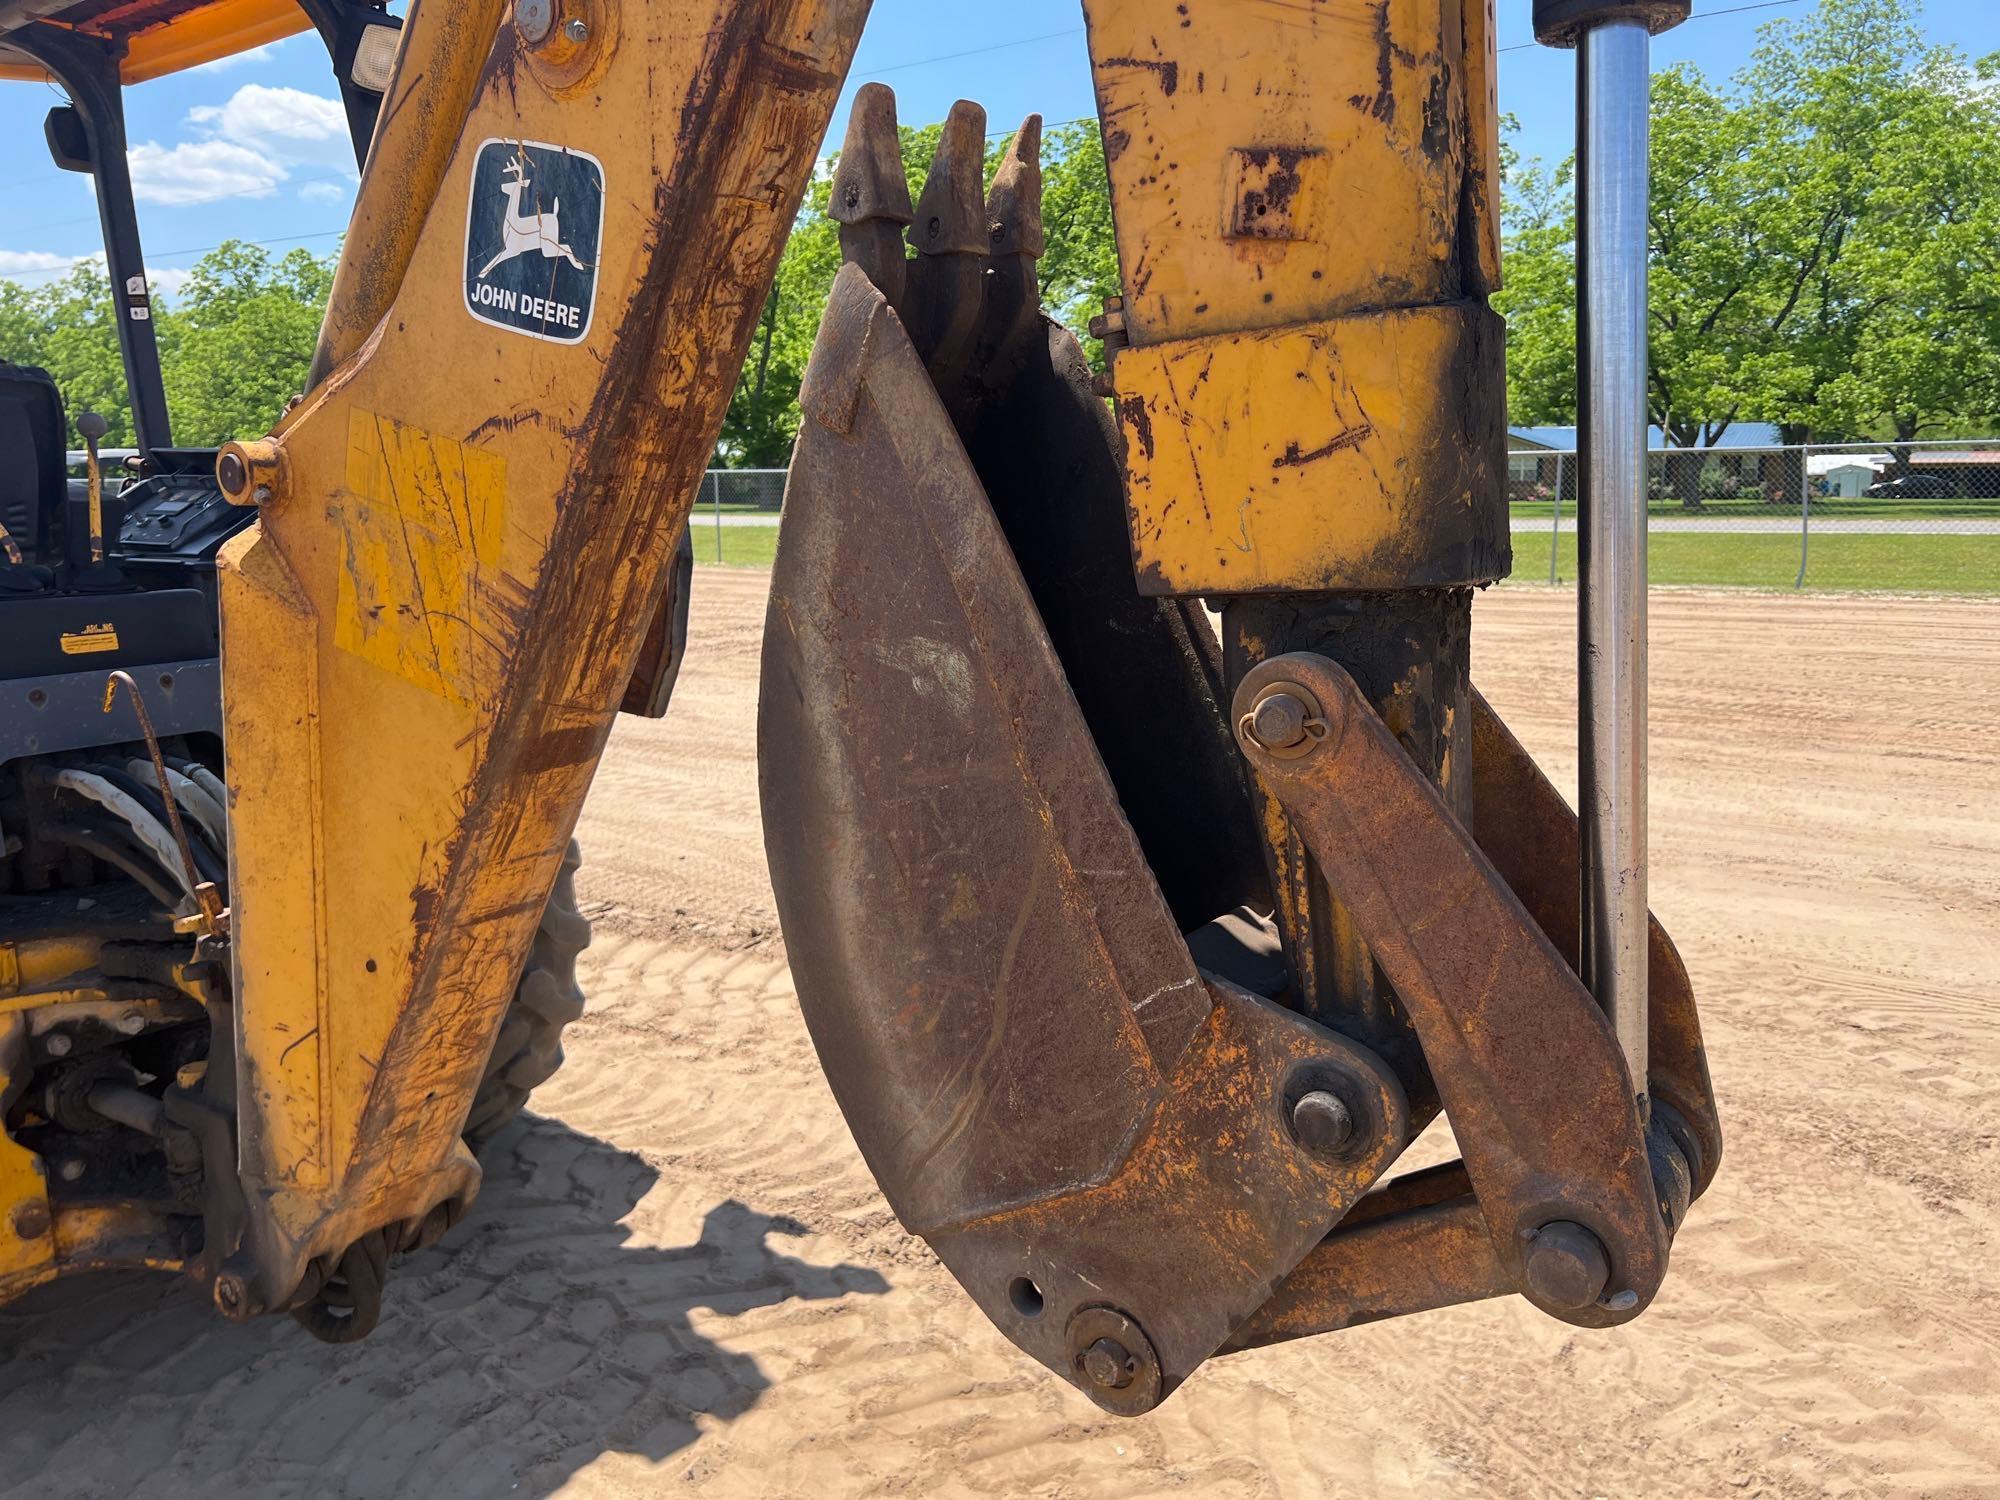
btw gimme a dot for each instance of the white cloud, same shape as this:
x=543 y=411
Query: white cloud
x=167 y=281
x=40 y=267
x=236 y=60
x=14 y=262
x=287 y=122
x=201 y=172
x=245 y=147
x=323 y=192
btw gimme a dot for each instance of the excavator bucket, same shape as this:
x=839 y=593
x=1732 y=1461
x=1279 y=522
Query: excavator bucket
x=999 y=985
x=1136 y=953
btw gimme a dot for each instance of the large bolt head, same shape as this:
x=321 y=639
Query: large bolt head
x=1285 y=721
x=1109 y=1365
x=534 y=19
x=1323 y=1123
x=1279 y=721
x=1112 y=1361
x=231 y=474
x=232 y=1296
x=1566 y=1266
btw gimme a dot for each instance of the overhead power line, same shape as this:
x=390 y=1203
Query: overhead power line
x=925 y=62
x=255 y=192
x=1700 y=15
x=154 y=260
x=901 y=67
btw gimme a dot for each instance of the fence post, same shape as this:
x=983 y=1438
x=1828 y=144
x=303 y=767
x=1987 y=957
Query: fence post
x=715 y=494
x=1556 y=528
x=1805 y=512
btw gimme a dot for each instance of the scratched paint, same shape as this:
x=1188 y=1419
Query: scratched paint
x=423 y=517
x=1357 y=453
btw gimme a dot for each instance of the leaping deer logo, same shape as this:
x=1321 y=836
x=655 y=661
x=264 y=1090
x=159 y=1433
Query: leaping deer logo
x=537 y=229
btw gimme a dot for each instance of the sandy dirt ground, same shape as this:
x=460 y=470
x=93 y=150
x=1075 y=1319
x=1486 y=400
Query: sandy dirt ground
x=680 y=1278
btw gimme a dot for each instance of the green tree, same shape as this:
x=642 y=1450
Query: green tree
x=67 y=327
x=1538 y=297
x=1080 y=267
x=1813 y=227
x=243 y=331
x=1910 y=314
x=235 y=342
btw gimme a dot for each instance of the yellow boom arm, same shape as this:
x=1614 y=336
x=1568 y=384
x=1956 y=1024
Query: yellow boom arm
x=464 y=530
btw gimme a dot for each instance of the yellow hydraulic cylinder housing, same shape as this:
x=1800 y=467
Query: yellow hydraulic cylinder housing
x=463 y=531
x=1306 y=371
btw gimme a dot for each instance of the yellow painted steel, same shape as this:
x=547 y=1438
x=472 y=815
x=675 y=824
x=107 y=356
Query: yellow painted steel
x=1323 y=173
x=426 y=636
x=43 y=973
x=1261 y=461
x=28 y=964
x=198 y=32
x=416 y=135
x=27 y=1248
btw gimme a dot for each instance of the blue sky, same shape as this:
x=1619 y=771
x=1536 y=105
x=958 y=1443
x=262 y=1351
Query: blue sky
x=256 y=148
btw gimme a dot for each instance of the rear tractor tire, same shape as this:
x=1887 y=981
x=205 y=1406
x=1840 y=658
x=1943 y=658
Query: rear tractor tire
x=528 y=1050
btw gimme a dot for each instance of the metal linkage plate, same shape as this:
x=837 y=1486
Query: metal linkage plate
x=1525 y=1062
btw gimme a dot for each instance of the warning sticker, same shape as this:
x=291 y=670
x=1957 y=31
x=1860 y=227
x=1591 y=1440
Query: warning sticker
x=90 y=640
x=531 y=238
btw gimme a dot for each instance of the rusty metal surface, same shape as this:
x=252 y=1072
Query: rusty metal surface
x=1437 y=1255
x=1041 y=1081
x=1529 y=832
x=1144 y=671
x=1311 y=395
x=1420 y=1241
x=1410 y=652
x=870 y=197
x=1216 y=1203
x=925 y=777
x=1525 y=1063
x=950 y=236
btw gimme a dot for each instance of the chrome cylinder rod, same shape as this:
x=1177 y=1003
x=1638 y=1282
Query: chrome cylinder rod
x=1612 y=69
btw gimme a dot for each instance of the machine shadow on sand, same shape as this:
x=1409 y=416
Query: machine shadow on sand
x=533 y=1339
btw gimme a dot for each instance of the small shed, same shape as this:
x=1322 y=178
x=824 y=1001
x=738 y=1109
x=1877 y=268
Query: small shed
x=1845 y=476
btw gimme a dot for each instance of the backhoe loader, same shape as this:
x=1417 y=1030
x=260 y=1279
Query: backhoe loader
x=1151 y=870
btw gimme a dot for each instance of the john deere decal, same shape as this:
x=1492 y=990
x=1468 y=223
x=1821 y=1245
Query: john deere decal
x=531 y=239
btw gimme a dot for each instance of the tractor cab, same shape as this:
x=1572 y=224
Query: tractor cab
x=106 y=572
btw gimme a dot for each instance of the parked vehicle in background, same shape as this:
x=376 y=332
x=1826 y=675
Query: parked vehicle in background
x=1914 y=487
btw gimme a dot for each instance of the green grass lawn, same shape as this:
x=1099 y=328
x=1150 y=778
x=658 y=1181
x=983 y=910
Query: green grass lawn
x=1858 y=509
x=755 y=546
x=1919 y=563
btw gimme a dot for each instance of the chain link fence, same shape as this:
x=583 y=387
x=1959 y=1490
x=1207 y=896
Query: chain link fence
x=1919 y=517
x=735 y=516
x=1908 y=516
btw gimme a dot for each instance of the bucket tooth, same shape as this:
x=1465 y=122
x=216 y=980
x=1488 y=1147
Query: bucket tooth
x=1014 y=202
x=1014 y=218
x=951 y=236
x=871 y=195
